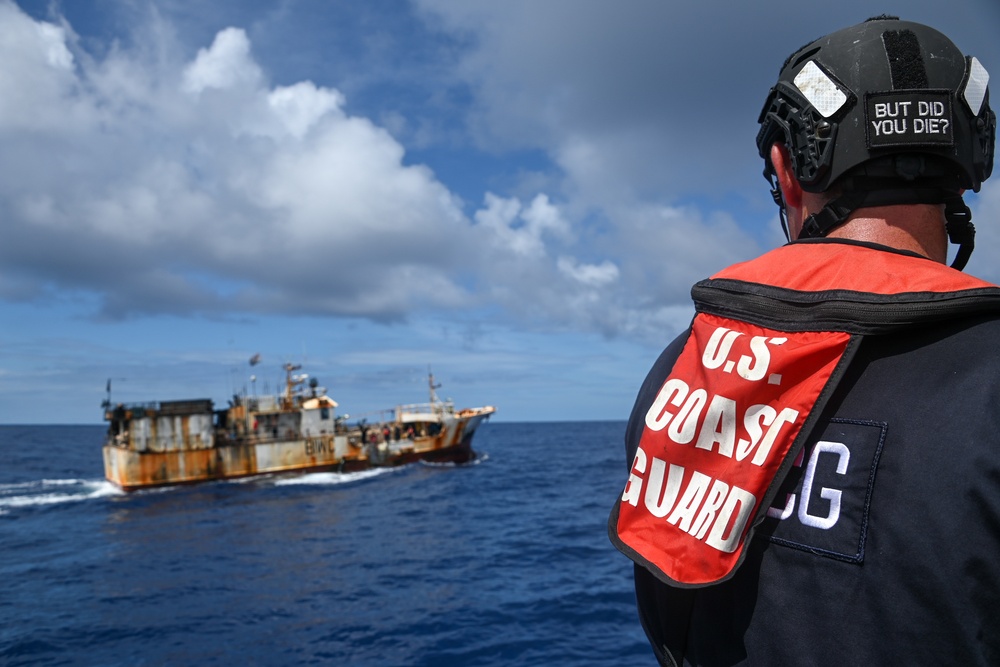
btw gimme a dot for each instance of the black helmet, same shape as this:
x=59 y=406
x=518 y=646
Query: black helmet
x=888 y=111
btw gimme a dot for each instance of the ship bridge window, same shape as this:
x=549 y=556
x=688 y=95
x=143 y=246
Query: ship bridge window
x=324 y=413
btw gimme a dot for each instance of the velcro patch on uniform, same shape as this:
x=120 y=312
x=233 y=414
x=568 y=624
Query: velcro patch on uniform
x=909 y=118
x=823 y=504
x=716 y=435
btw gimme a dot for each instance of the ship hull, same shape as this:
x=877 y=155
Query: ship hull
x=132 y=470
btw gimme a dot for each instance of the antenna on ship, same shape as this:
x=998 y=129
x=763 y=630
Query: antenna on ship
x=106 y=403
x=431 y=385
x=292 y=381
x=254 y=360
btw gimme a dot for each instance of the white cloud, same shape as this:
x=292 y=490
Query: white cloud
x=629 y=102
x=162 y=183
x=591 y=275
x=226 y=64
x=155 y=199
x=651 y=101
x=520 y=230
x=670 y=248
x=300 y=106
x=37 y=77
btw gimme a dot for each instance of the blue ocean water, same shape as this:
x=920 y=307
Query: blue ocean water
x=501 y=562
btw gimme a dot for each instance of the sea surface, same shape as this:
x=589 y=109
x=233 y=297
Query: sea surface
x=501 y=562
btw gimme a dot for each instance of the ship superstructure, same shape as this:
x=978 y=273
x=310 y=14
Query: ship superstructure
x=181 y=442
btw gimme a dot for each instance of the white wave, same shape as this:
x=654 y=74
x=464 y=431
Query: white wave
x=88 y=490
x=42 y=483
x=153 y=489
x=483 y=458
x=332 y=477
x=248 y=479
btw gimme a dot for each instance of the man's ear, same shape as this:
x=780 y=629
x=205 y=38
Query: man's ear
x=791 y=191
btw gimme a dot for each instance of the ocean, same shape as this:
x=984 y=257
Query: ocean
x=501 y=562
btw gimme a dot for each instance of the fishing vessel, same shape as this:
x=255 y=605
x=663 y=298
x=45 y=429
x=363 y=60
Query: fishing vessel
x=189 y=441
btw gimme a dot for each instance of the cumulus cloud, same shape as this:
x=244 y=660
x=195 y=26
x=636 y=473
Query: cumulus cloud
x=634 y=282
x=519 y=230
x=150 y=181
x=196 y=186
x=38 y=72
x=226 y=64
x=591 y=275
x=622 y=100
x=300 y=106
x=654 y=100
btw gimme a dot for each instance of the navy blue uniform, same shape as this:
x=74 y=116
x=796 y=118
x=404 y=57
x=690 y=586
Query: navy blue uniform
x=882 y=545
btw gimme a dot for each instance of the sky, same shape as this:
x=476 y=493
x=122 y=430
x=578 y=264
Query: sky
x=516 y=195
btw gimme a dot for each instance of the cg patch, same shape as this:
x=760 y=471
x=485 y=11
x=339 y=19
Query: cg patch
x=822 y=507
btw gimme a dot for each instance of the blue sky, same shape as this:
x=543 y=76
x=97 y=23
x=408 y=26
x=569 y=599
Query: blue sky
x=517 y=195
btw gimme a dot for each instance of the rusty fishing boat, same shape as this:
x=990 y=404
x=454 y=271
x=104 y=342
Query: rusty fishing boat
x=298 y=430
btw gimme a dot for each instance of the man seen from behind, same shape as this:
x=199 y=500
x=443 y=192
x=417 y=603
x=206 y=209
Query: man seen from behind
x=815 y=463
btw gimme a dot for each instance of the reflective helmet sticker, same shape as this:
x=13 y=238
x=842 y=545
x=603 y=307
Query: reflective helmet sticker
x=821 y=91
x=975 y=88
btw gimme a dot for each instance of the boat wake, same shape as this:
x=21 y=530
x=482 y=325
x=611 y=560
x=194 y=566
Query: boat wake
x=481 y=458
x=323 y=478
x=23 y=495
x=53 y=492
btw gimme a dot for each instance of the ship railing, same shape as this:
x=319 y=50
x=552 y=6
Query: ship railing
x=230 y=438
x=436 y=408
x=372 y=417
x=162 y=408
x=279 y=402
x=135 y=407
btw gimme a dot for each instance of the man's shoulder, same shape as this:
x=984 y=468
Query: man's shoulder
x=819 y=265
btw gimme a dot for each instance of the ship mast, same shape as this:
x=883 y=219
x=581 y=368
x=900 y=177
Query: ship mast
x=291 y=382
x=432 y=387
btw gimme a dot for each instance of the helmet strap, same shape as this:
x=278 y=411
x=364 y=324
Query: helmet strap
x=958 y=217
x=780 y=201
x=833 y=214
x=961 y=231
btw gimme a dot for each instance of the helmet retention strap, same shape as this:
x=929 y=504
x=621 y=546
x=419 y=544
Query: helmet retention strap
x=958 y=217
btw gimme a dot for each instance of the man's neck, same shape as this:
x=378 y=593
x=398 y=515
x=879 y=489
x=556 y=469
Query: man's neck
x=917 y=228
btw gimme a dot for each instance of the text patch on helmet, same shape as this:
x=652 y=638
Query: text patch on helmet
x=909 y=118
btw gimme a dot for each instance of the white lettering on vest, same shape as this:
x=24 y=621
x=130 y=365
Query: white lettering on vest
x=674 y=391
x=752 y=367
x=718 y=538
x=752 y=422
x=719 y=426
x=718 y=347
x=708 y=510
x=830 y=495
x=659 y=499
x=634 y=487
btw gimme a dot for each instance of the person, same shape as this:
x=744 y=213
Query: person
x=814 y=475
